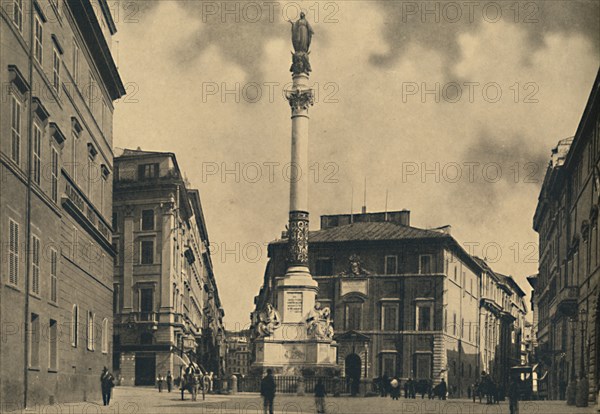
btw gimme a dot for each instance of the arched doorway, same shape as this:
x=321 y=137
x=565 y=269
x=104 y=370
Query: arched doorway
x=353 y=365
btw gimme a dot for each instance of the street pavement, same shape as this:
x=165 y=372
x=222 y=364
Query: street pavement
x=145 y=400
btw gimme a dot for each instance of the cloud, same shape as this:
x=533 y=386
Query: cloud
x=363 y=125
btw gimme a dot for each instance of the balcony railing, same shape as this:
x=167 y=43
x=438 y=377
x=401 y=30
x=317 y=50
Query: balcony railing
x=145 y=317
x=566 y=299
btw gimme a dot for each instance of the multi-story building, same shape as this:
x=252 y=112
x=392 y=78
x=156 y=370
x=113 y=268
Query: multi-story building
x=566 y=219
x=166 y=303
x=238 y=352
x=59 y=82
x=404 y=301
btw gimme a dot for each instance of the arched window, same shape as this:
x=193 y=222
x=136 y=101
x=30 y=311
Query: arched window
x=74 y=325
x=105 y=336
x=90 y=331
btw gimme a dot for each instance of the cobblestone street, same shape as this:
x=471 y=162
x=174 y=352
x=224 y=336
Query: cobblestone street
x=138 y=400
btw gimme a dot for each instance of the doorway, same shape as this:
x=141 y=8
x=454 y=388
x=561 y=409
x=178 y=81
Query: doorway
x=145 y=368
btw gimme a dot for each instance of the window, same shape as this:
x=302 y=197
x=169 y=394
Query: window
x=54 y=174
x=102 y=191
x=37 y=153
x=389 y=317
x=74 y=140
x=423 y=368
x=75 y=326
x=105 y=336
x=353 y=315
x=35 y=265
x=424 y=317
x=75 y=61
x=13 y=253
x=147 y=219
x=18 y=14
x=454 y=323
x=116 y=299
x=90 y=331
x=90 y=177
x=56 y=69
x=53 y=275
x=324 y=266
x=147 y=252
x=38 y=47
x=148 y=171
x=16 y=130
x=53 y=345
x=388 y=364
x=34 y=341
x=115 y=221
x=425 y=263
x=391 y=265
x=91 y=92
x=146 y=300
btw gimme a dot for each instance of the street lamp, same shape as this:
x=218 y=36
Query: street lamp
x=583 y=385
x=572 y=387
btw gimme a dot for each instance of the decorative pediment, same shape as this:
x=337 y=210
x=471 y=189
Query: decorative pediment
x=39 y=110
x=56 y=133
x=76 y=125
x=16 y=78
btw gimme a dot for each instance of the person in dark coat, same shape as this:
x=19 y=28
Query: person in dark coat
x=169 y=381
x=385 y=385
x=107 y=382
x=267 y=390
x=513 y=395
x=412 y=389
x=406 y=389
x=443 y=389
x=320 y=396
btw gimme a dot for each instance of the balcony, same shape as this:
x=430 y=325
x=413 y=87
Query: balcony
x=139 y=318
x=566 y=300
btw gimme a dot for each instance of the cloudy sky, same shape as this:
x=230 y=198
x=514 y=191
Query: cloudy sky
x=450 y=108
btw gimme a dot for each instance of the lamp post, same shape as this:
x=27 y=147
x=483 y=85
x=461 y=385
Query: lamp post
x=583 y=385
x=572 y=387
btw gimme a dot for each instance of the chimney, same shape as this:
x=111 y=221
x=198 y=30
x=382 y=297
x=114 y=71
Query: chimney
x=405 y=217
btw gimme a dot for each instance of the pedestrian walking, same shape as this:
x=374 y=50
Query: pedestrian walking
x=267 y=391
x=513 y=395
x=443 y=389
x=385 y=384
x=395 y=388
x=159 y=381
x=406 y=388
x=320 y=396
x=107 y=382
x=169 y=381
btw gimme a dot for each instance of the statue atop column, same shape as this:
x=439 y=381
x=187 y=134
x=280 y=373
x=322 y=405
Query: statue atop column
x=302 y=34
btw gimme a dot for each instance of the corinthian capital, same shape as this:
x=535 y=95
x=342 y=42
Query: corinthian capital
x=300 y=99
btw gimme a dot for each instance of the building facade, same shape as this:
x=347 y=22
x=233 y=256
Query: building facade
x=404 y=301
x=566 y=219
x=59 y=82
x=166 y=303
x=238 y=353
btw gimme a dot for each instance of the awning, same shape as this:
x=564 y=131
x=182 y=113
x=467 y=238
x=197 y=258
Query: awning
x=182 y=360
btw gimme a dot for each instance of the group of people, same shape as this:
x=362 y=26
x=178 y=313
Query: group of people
x=267 y=391
x=392 y=387
x=160 y=380
x=487 y=388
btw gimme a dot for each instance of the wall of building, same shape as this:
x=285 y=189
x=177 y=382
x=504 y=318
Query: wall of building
x=37 y=195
